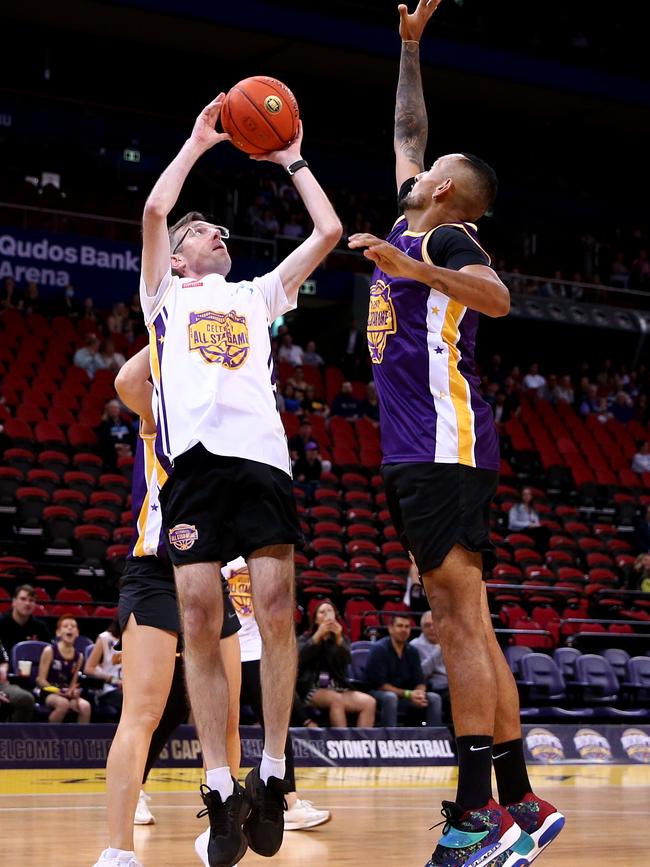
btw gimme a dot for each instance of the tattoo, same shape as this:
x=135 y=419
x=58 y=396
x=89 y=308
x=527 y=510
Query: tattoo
x=410 y=110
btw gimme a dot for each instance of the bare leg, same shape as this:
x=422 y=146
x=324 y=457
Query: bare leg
x=454 y=592
x=231 y=656
x=82 y=708
x=60 y=706
x=201 y=603
x=272 y=583
x=507 y=722
x=148 y=667
x=363 y=704
x=333 y=702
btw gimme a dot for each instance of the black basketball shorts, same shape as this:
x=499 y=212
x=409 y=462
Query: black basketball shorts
x=147 y=591
x=216 y=508
x=436 y=506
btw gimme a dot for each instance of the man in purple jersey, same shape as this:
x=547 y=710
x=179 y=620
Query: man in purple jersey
x=441 y=460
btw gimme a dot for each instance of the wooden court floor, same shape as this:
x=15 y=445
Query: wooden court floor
x=381 y=816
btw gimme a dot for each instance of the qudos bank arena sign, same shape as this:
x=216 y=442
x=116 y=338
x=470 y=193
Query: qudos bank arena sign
x=54 y=261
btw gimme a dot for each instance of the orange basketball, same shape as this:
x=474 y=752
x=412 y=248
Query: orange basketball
x=261 y=114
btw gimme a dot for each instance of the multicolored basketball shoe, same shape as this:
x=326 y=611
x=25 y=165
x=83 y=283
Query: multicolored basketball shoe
x=539 y=819
x=484 y=837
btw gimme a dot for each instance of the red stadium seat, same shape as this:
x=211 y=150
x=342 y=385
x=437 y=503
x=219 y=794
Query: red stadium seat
x=81 y=436
x=49 y=435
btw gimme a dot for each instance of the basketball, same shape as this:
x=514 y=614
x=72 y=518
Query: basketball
x=261 y=115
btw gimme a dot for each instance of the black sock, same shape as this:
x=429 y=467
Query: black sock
x=474 y=771
x=511 y=772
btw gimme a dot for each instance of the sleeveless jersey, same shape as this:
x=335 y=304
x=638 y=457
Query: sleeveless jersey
x=148 y=478
x=422 y=345
x=212 y=368
x=235 y=572
x=62 y=669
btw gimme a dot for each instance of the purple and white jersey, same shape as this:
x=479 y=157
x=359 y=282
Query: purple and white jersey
x=211 y=365
x=422 y=345
x=148 y=478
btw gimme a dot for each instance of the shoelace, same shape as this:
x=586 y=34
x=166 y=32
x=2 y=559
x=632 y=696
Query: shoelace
x=449 y=816
x=216 y=811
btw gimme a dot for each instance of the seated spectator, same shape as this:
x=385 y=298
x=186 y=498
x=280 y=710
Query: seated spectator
x=564 y=391
x=324 y=656
x=293 y=228
x=289 y=351
x=590 y=401
x=522 y=517
x=500 y=408
x=394 y=671
x=369 y=408
x=548 y=391
x=428 y=646
x=512 y=404
x=291 y=402
x=88 y=357
x=603 y=413
x=112 y=360
x=311 y=405
x=270 y=226
x=623 y=408
x=116 y=436
x=642 y=569
x=100 y=665
x=642 y=533
x=67 y=304
x=641 y=460
x=16 y=703
x=310 y=357
x=58 y=673
x=19 y=624
x=31 y=302
x=533 y=380
x=297 y=378
x=345 y=403
x=298 y=442
x=9 y=296
x=308 y=468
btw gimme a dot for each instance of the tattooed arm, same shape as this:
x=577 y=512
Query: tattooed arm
x=411 y=123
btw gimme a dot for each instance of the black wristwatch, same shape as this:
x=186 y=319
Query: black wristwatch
x=299 y=164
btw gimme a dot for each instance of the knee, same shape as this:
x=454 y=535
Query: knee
x=368 y=703
x=388 y=699
x=25 y=700
x=199 y=621
x=276 y=618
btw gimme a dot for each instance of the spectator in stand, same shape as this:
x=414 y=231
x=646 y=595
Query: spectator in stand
x=293 y=228
x=119 y=316
x=369 y=408
x=31 y=302
x=496 y=371
x=113 y=360
x=324 y=656
x=116 y=436
x=620 y=273
x=623 y=408
x=640 y=271
x=512 y=404
x=88 y=357
x=307 y=470
x=58 y=674
x=522 y=518
x=310 y=357
x=270 y=225
x=9 y=297
x=564 y=391
x=642 y=569
x=101 y=666
x=500 y=408
x=641 y=460
x=298 y=442
x=88 y=319
x=297 y=378
x=534 y=380
x=591 y=402
x=548 y=391
x=16 y=703
x=603 y=413
x=313 y=406
x=427 y=645
x=291 y=402
x=394 y=671
x=19 y=624
x=345 y=403
x=289 y=352
x=642 y=532
x=67 y=305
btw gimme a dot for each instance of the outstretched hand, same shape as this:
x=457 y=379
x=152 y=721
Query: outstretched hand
x=392 y=261
x=287 y=155
x=411 y=26
x=204 y=132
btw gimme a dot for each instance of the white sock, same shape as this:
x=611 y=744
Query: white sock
x=120 y=854
x=219 y=780
x=271 y=767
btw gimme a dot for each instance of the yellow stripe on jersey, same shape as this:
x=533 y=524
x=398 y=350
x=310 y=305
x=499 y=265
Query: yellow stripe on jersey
x=154 y=363
x=398 y=220
x=149 y=461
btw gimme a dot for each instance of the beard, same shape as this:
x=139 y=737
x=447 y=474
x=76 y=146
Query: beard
x=412 y=201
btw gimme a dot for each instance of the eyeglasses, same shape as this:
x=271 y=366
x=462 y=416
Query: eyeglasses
x=203 y=230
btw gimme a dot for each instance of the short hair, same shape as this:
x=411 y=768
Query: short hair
x=426 y=614
x=66 y=617
x=485 y=179
x=400 y=615
x=27 y=588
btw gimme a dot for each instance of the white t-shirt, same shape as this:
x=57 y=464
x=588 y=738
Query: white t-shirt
x=212 y=368
x=108 y=641
x=239 y=584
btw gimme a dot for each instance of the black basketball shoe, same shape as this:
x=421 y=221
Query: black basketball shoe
x=227 y=843
x=265 y=823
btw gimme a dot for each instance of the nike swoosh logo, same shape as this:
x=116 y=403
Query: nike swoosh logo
x=477 y=749
x=501 y=755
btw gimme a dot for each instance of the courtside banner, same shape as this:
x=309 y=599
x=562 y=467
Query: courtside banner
x=47 y=745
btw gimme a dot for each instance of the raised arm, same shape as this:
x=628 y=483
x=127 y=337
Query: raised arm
x=411 y=125
x=164 y=195
x=327 y=230
x=134 y=389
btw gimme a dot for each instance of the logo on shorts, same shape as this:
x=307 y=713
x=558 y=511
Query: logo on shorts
x=381 y=320
x=221 y=338
x=592 y=745
x=544 y=746
x=183 y=536
x=636 y=744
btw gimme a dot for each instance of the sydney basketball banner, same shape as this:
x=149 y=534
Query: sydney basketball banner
x=73 y=746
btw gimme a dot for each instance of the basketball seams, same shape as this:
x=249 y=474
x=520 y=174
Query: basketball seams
x=253 y=107
x=259 y=114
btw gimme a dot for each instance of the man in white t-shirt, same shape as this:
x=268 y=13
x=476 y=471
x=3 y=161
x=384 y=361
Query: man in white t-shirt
x=230 y=488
